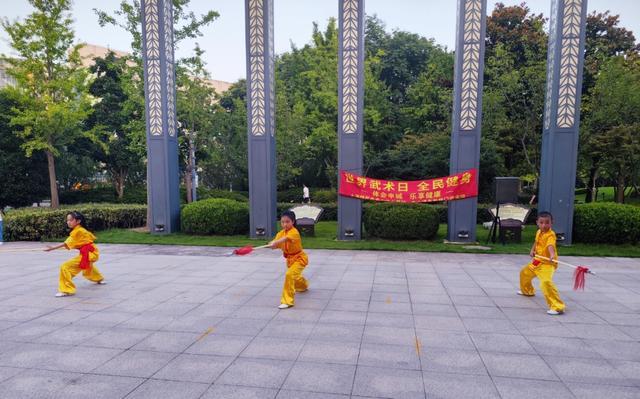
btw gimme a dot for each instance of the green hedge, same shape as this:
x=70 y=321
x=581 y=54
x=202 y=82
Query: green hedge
x=401 y=221
x=204 y=193
x=34 y=224
x=608 y=223
x=217 y=216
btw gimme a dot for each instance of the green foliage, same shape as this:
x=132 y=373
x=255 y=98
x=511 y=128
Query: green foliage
x=606 y=223
x=215 y=216
x=102 y=194
x=324 y=196
x=23 y=179
x=401 y=221
x=51 y=84
x=34 y=224
x=204 y=193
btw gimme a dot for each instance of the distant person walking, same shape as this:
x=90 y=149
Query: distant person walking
x=305 y=194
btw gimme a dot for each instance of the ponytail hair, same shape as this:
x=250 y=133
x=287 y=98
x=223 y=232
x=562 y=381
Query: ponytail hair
x=291 y=215
x=79 y=217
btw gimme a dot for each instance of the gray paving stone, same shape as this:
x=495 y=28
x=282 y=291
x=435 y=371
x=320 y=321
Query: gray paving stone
x=153 y=389
x=118 y=338
x=99 y=387
x=592 y=391
x=618 y=350
x=330 y=352
x=517 y=388
x=508 y=343
x=194 y=368
x=337 y=332
x=288 y=394
x=320 y=377
x=631 y=370
x=389 y=356
x=287 y=329
x=70 y=335
x=222 y=345
x=36 y=384
x=273 y=348
x=167 y=342
x=238 y=392
x=458 y=386
x=517 y=365
x=557 y=346
x=573 y=369
x=485 y=325
x=136 y=363
x=448 y=323
x=8 y=372
x=452 y=361
x=388 y=383
x=343 y=317
x=444 y=339
x=263 y=373
x=389 y=320
x=389 y=335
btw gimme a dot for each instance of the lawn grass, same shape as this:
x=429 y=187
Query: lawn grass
x=326 y=239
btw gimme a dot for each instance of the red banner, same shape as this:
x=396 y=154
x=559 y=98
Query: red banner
x=458 y=186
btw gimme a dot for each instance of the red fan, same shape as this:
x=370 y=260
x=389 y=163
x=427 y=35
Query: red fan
x=578 y=274
x=247 y=249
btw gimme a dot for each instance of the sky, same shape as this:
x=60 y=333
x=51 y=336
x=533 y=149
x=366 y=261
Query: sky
x=224 y=39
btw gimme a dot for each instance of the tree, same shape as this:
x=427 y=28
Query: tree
x=111 y=117
x=514 y=81
x=195 y=111
x=23 y=179
x=603 y=39
x=50 y=83
x=611 y=128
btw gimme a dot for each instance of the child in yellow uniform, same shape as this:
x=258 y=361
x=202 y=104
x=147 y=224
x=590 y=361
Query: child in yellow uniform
x=544 y=245
x=82 y=239
x=288 y=239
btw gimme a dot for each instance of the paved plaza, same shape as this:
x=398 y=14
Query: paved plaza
x=186 y=322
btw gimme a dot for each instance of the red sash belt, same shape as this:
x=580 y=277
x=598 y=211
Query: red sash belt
x=291 y=255
x=84 y=252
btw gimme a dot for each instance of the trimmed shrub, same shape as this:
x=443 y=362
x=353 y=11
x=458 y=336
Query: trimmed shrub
x=34 y=224
x=324 y=196
x=104 y=194
x=215 y=216
x=608 y=223
x=204 y=193
x=401 y=221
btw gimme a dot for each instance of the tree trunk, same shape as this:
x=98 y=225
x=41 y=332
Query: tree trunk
x=118 y=181
x=591 y=185
x=187 y=184
x=620 y=189
x=53 y=185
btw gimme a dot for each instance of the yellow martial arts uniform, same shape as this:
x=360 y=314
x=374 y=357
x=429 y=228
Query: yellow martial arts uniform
x=296 y=262
x=544 y=271
x=78 y=238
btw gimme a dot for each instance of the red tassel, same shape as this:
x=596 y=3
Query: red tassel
x=244 y=250
x=578 y=277
x=535 y=262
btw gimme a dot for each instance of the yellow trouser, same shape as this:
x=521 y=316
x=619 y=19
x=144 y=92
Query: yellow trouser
x=293 y=281
x=72 y=267
x=544 y=272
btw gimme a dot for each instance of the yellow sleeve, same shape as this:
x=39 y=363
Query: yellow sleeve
x=279 y=236
x=70 y=242
x=551 y=242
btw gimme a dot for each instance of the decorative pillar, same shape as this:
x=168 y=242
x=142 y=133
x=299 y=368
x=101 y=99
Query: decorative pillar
x=261 y=118
x=562 y=114
x=160 y=99
x=350 y=110
x=467 y=112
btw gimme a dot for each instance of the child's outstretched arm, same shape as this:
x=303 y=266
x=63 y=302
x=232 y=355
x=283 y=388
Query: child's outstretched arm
x=52 y=247
x=276 y=243
x=552 y=253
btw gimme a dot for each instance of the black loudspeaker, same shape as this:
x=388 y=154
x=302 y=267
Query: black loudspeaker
x=506 y=189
